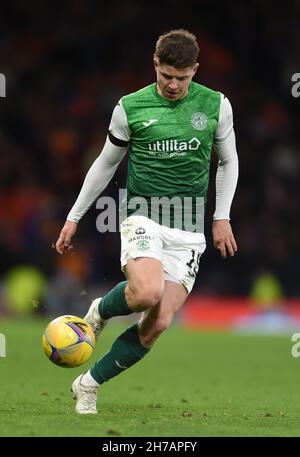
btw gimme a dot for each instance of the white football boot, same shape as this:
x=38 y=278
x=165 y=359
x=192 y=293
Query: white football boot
x=94 y=319
x=86 y=396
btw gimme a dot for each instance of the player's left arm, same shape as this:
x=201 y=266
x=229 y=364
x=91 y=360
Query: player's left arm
x=226 y=180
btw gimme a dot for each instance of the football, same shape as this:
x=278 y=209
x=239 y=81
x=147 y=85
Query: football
x=68 y=341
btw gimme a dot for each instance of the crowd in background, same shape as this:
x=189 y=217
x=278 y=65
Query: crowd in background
x=66 y=66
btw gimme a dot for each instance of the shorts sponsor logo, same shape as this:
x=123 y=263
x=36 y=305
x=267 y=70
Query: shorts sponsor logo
x=140 y=237
x=199 y=121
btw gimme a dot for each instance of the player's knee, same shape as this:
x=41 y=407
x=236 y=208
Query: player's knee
x=162 y=324
x=151 y=334
x=148 y=296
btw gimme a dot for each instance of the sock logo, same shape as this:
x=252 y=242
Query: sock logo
x=120 y=366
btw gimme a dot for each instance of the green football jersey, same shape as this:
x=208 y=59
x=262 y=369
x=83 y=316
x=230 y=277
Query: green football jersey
x=169 y=155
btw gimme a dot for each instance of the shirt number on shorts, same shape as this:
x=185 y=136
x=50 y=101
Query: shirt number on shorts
x=194 y=262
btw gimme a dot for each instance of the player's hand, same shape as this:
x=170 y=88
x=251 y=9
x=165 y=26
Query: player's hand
x=64 y=241
x=223 y=238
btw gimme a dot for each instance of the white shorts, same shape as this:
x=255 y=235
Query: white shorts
x=179 y=251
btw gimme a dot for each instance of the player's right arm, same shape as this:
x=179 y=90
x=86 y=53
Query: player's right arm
x=98 y=176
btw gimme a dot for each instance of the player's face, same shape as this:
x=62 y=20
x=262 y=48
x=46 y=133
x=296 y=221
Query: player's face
x=173 y=83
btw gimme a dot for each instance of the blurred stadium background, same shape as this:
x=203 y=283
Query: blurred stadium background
x=66 y=65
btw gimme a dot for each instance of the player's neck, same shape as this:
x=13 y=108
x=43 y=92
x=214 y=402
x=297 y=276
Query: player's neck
x=185 y=94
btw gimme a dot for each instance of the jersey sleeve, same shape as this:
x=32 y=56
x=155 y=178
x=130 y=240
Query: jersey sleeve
x=227 y=172
x=119 y=131
x=97 y=178
x=225 y=123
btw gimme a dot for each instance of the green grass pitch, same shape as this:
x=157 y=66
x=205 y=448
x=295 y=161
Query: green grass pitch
x=191 y=384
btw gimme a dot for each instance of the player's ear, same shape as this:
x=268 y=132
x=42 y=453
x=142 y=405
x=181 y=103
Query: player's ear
x=155 y=61
x=196 y=67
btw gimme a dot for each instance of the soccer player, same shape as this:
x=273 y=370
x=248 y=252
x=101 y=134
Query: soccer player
x=169 y=128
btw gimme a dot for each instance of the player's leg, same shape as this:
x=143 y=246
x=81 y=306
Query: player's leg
x=146 y=287
x=133 y=344
x=141 y=260
x=129 y=348
x=182 y=252
x=142 y=290
x=180 y=263
x=157 y=319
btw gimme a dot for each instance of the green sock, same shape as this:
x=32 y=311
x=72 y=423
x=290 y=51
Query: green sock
x=114 y=303
x=125 y=352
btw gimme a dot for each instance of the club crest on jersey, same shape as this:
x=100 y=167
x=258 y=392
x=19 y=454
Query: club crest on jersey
x=199 y=121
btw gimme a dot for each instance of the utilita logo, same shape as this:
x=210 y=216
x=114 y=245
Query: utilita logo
x=174 y=145
x=2 y=85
